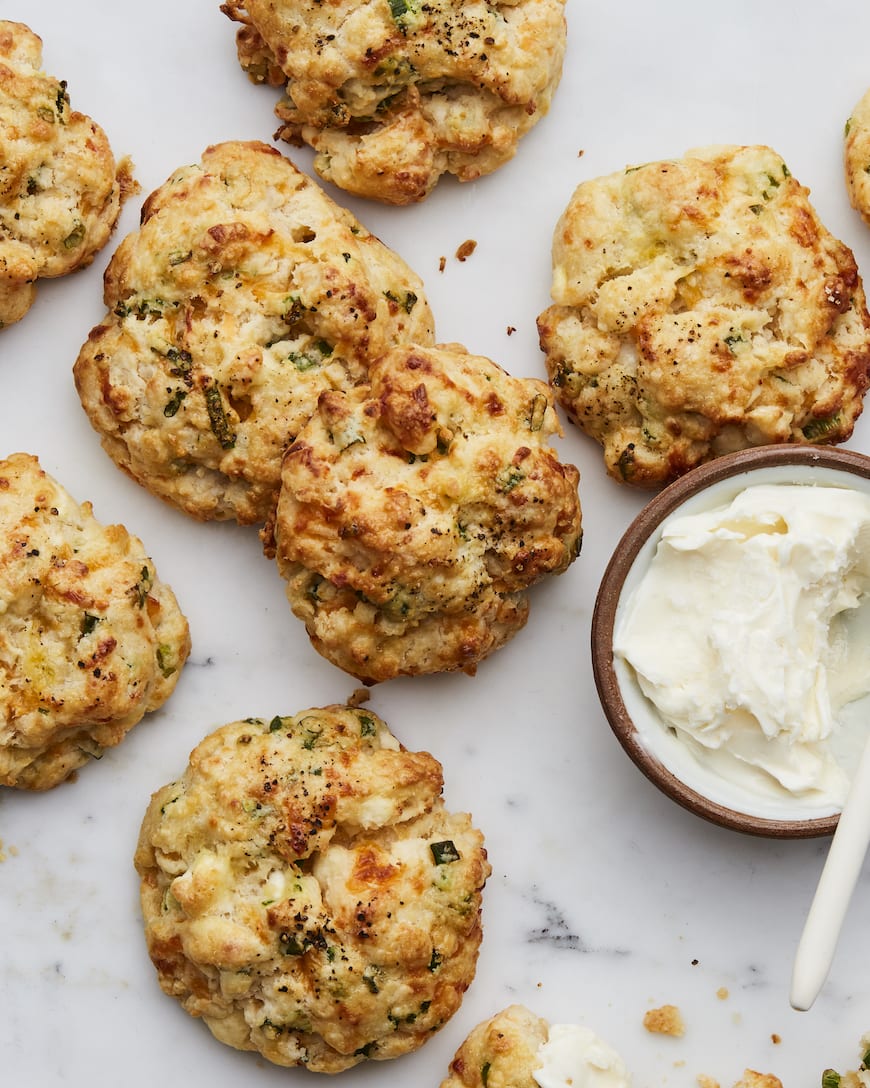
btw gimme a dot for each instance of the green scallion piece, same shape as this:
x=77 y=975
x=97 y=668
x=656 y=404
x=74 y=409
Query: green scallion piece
x=217 y=417
x=444 y=852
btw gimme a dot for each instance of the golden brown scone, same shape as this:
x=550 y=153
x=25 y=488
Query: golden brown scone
x=516 y=1049
x=245 y=294
x=415 y=513
x=701 y=307
x=501 y=1052
x=857 y=157
x=60 y=189
x=391 y=94
x=306 y=893
x=90 y=638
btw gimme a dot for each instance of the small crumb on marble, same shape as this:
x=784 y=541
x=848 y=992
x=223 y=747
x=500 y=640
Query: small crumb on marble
x=359 y=696
x=511 y=329
x=704 y=1081
x=580 y=153
x=751 y=1079
x=466 y=249
x=442 y=263
x=665 y=1020
x=775 y=1038
x=722 y=993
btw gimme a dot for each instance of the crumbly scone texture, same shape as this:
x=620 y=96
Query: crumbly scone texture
x=90 y=638
x=857 y=157
x=854 y=1078
x=753 y=1079
x=664 y=1020
x=701 y=307
x=244 y=295
x=416 y=511
x=502 y=1052
x=60 y=188
x=306 y=892
x=391 y=94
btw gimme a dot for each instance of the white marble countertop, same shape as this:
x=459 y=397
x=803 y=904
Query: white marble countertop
x=606 y=899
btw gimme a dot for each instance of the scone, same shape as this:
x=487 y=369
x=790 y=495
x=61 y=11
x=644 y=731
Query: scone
x=516 y=1049
x=244 y=295
x=391 y=94
x=415 y=513
x=854 y=1078
x=60 y=188
x=306 y=892
x=857 y=157
x=90 y=638
x=701 y=307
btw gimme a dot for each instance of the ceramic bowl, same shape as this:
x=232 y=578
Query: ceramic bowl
x=631 y=715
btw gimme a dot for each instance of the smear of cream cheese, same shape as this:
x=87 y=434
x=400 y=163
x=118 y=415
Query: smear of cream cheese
x=749 y=634
x=574 y=1057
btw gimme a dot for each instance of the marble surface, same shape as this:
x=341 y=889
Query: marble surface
x=606 y=899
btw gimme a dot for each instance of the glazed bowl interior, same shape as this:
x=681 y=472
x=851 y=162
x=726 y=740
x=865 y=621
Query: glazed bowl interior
x=653 y=747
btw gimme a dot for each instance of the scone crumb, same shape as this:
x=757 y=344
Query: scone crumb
x=125 y=175
x=722 y=993
x=665 y=1020
x=442 y=263
x=511 y=329
x=704 y=1081
x=466 y=249
x=854 y=1078
x=775 y=1038
x=751 y=1079
x=359 y=696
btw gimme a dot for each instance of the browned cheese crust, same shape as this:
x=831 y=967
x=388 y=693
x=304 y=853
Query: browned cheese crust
x=391 y=94
x=857 y=157
x=245 y=294
x=415 y=513
x=60 y=189
x=306 y=893
x=701 y=307
x=90 y=638
x=502 y=1052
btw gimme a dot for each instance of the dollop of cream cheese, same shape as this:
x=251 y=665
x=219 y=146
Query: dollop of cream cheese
x=574 y=1057
x=749 y=634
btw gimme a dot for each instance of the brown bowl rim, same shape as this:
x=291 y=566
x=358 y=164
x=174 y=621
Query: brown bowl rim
x=632 y=541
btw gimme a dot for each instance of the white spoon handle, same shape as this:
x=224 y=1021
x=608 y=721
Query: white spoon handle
x=815 y=951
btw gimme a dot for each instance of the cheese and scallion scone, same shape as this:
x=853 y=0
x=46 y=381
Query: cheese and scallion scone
x=306 y=892
x=857 y=157
x=90 y=638
x=854 y=1078
x=416 y=512
x=60 y=188
x=516 y=1049
x=392 y=94
x=244 y=295
x=700 y=307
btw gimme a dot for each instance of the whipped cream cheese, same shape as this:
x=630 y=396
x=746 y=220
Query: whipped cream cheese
x=750 y=632
x=574 y=1057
